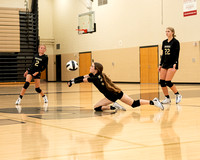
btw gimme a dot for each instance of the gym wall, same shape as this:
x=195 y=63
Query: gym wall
x=12 y=3
x=46 y=35
x=122 y=27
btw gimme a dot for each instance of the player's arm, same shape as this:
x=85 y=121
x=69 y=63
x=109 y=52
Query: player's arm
x=162 y=58
x=176 y=57
x=87 y=76
x=32 y=64
x=36 y=73
x=163 y=55
x=25 y=73
x=80 y=79
x=44 y=66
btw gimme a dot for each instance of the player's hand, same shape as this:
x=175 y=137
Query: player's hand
x=159 y=68
x=35 y=74
x=174 y=67
x=69 y=83
x=25 y=73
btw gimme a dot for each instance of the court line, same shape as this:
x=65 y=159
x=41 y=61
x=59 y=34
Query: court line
x=59 y=92
x=190 y=105
x=138 y=146
x=91 y=134
x=73 y=130
x=114 y=150
x=3 y=94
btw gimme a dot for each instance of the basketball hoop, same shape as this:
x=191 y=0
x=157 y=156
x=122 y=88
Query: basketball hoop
x=82 y=30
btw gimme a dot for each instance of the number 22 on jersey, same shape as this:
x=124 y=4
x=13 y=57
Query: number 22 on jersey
x=167 y=51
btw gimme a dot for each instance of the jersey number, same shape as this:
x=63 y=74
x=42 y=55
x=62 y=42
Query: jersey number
x=37 y=63
x=167 y=51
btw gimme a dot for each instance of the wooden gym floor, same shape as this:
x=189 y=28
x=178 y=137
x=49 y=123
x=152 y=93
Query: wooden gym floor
x=68 y=128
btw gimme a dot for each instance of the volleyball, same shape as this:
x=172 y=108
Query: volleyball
x=72 y=65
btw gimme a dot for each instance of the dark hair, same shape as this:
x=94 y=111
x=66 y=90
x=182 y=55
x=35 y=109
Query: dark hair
x=109 y=84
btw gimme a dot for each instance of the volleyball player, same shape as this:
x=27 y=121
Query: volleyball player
x=111 y=92
x=39 y=64
x=169 y=65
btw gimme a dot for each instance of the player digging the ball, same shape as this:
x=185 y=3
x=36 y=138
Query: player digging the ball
x=111 y=92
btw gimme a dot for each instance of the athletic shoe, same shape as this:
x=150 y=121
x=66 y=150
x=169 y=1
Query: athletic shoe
x=18 y=101
x=45 y=99
x=157 y=103
x=178 y=98
x=166 y=101
x=118 y=106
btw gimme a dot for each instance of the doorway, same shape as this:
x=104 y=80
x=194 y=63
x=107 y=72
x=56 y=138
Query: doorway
x=58 y=68
x=149 y=64
x=149 y=87
x=85 y=61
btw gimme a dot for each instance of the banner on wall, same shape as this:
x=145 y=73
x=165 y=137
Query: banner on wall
x=189 y=7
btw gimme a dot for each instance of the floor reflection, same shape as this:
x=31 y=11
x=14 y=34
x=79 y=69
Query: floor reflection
x=113 y=126
x=47 y=112
x=171 y=140
x=33 y=139
x=149 y=91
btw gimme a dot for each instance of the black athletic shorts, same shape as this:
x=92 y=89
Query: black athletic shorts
x=167 y=66
x=114 y=96
x=35 y=77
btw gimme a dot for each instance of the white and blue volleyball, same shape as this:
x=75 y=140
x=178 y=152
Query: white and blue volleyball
x=72 y=65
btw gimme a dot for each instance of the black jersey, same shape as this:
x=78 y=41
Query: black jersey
x=98 y=81
x=170 y=53
x=39 y=63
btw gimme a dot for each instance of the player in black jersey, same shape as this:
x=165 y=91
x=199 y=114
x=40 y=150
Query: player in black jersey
x=111 y=92
x=39 y=64
x=169 y=65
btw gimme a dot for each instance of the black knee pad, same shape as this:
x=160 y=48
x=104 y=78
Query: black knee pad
x=98 y=108
x=162 y=83
x=26 y=85
x=38 y=90
x=136 y=103
x=169 y=83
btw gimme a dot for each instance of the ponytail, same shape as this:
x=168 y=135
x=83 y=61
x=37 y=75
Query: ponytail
x=109 y=84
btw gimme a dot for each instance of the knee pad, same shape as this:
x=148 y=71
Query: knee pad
x=162 y=83
x=98 y=108
x=26 y=85
x=136 y=103
x=169 y=83
x=38 y=90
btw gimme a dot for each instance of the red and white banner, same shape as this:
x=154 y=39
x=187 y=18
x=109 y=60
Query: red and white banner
x=189 y=7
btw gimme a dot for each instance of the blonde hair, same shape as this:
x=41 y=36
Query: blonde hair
x=172 y=30
x=109 y=84
x=42 y=45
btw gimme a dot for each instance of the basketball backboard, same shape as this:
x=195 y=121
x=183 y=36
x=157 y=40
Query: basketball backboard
x=86 y=21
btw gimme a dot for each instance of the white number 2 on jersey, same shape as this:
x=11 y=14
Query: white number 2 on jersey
x=37 y=63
